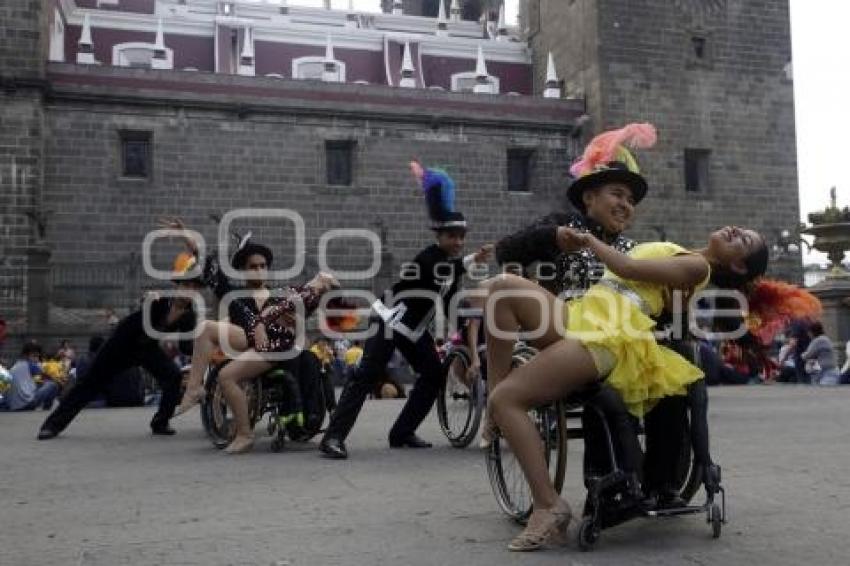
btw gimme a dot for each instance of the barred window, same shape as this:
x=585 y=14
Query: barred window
x=519 y=169
x=136 y=154
x=696 y=170
x=339 y=155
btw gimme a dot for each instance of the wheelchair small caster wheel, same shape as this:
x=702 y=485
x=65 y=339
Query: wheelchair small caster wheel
x=716 y=518
x=588 y=535
x=277 y=444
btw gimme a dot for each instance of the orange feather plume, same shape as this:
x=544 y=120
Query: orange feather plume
x=604 y=147
x=773 y=304
x=183 y=263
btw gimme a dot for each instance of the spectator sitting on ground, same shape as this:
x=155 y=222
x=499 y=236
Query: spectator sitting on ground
x=84 y=361
x=389 y=388
x=785 y=360
x=66 y=354
x=26 y=393
x=322 y=350
x=821 y=350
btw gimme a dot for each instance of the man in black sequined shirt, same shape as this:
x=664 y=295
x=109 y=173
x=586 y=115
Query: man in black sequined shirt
x=605 y=204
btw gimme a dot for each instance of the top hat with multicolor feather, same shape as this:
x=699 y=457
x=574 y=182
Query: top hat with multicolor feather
x=439 y=191
x=607 y=159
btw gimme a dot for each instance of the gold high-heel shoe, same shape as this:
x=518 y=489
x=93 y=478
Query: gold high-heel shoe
x=190 y=398
x=240 y=445
x=545 y=526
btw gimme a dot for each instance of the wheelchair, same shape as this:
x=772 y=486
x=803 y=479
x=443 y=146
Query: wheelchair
x=611 y=499
x=611 y=496
x=277 y=393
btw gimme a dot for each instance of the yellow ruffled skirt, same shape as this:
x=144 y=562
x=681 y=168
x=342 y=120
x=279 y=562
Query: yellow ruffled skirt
x=644 y=372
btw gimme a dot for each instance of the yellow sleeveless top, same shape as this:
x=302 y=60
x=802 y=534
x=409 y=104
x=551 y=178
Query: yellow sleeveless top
x=615 y=314
x=656 y=296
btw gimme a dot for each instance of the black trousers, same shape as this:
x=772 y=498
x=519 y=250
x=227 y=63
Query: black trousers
x=665 y=439
x=115 y=356
x=421 y=355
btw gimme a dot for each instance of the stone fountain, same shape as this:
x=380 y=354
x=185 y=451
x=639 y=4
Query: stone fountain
x=831 y=231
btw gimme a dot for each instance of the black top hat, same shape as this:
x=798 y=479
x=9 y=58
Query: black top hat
x=606 y=159
x=611 y=172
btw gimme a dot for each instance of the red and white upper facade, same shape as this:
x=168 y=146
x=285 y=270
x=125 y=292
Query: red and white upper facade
x=272 y=39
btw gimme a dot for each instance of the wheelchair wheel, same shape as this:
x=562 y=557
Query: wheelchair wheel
x=215 y=414
x=588 y=535
x=459 y=405
x=506 y=478
x=688 y=475
x=512 y=492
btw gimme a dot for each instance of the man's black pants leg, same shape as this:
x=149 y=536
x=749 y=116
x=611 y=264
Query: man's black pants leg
x=113 y=358
x=376 y=355
x=168 y=376
x=422 y=356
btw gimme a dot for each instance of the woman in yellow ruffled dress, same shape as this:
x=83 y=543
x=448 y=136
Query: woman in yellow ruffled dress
x=605 y=335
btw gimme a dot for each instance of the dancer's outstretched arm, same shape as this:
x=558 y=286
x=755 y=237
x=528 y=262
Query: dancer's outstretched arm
x=681 y=271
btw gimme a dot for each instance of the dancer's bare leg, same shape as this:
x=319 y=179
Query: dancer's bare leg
x=556 y=371
x=247 y=366
x=506 y=295
x=514 y=303
x=209 y=338
x=562 y=365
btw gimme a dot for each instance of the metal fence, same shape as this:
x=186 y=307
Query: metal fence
x=88 y=285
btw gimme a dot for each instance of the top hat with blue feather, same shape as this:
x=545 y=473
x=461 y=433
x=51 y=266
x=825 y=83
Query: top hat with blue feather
x=439 y=191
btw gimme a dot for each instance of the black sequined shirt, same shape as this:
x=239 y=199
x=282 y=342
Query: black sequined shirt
x=561 y=272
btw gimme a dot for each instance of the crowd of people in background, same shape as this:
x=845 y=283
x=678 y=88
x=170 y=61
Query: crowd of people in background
x=802 y=354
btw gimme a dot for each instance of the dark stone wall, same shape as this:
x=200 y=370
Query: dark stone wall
x=636 y=61
x=23 y=52
x=218 y=150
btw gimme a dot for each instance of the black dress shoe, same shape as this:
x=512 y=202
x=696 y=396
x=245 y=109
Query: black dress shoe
x=46 y=433
x=333 y=448
x=410 y=441
x=163 y=430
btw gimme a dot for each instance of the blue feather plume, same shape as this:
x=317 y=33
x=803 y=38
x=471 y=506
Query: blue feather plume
x=439 y=193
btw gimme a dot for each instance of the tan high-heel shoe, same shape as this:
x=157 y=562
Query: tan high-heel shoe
x=240 y=445
x=545 y=526
x=190 y=398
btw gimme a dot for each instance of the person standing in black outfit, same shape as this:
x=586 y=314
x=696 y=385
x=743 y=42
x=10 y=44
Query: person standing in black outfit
x=402 y=322
x=129 y=346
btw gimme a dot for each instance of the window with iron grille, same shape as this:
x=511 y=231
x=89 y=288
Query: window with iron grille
x=519 y=169
x=339 y=156
x=696 y=170
x=136 y=154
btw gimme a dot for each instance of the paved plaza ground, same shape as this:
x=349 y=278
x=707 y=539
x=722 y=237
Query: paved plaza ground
x=107 y=493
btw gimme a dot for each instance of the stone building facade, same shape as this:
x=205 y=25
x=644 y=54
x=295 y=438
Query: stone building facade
x=115 y=112
x=121 y=126
x=713 y=76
